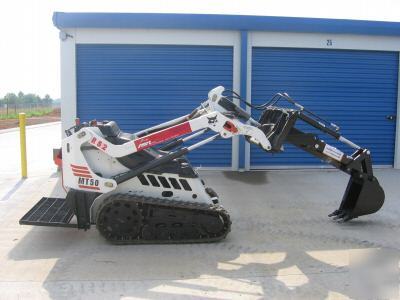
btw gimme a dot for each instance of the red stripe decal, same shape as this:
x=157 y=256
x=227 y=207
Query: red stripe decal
x=89 y=187
x=78 y=167
x=80 y=171
x=82 y=175
x=162 y=136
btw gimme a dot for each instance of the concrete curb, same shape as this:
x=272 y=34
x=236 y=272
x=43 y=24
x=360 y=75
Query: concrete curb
x=29 y=127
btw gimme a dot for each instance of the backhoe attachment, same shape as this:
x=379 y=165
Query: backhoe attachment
x=363 y=194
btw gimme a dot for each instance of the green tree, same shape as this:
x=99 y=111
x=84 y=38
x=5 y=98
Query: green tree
x=10 y=98
x=47 y=100
x=31 y=99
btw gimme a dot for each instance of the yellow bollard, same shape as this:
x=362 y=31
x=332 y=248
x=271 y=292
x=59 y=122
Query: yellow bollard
x=22 y=140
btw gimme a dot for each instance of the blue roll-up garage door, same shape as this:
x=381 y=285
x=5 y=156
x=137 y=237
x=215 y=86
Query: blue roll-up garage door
x=355 y=89
x=143 y=85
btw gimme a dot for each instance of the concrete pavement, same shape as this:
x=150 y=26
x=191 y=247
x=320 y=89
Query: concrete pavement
x=40 y=141
x=282 y=245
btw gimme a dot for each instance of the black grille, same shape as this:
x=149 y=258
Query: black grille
x=164 y=182
x=175 y=183
x=153 y=180
x=185 y=184
x=143 y=180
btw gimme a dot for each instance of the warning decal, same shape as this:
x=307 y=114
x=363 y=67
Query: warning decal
x=333 y=152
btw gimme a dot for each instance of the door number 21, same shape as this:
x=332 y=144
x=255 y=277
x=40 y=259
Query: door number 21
x=329 y=42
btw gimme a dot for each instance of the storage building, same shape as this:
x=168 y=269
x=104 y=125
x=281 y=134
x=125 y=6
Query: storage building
x=144 y=69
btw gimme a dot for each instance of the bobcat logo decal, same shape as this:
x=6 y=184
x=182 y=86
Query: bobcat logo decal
x=212 y=120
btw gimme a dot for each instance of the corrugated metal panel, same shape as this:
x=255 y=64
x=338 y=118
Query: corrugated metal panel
x=144 y=85
x=354 y=89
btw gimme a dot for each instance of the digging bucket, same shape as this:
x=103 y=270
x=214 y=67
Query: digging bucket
x=363 y=196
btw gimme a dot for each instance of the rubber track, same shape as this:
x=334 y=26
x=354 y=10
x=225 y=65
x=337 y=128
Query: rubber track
x=192 y=206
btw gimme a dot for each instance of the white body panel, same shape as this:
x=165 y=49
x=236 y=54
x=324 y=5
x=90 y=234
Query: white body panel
x=77 y=173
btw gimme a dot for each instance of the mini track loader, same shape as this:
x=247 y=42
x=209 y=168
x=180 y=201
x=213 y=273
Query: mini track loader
x=140 y=188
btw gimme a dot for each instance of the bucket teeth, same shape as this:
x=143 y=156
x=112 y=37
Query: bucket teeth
x=341 y=215
x=347 y=218
x=335 y=213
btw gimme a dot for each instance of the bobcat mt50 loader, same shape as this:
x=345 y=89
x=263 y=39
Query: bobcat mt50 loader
x=140 y=188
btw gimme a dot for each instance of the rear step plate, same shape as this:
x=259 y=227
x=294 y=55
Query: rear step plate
x=49 y=212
